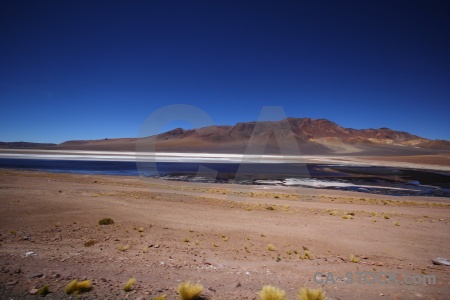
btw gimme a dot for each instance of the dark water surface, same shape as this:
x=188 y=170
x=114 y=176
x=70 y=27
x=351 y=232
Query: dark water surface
x=379 y=180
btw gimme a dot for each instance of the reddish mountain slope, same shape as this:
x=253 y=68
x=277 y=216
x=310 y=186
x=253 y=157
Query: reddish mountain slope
x=288 y=136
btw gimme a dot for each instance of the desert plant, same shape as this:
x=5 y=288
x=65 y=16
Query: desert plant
x=124 y=248
x=186 y=240
x=160 y=297
x=354 y=258
x=307 y=254
x=269 y=292
x=188 y=291
x=215 y=245
x=141 y=229
x=129 y=284
x=44 y=290
x=386 y=217
x=396 y=223
x=271 y=247
x=106 y=221
x=311 y=294
x=75 y=287
x=90 y=243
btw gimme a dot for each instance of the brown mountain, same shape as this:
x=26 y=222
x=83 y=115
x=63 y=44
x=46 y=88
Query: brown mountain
x=288 y=136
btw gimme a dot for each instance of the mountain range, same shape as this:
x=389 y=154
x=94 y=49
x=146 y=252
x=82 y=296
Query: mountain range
x=288 y=136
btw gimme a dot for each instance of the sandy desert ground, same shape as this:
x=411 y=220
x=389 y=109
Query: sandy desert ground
x=167 y=232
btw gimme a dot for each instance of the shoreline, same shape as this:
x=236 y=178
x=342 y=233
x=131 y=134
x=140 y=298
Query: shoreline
x=439 y=162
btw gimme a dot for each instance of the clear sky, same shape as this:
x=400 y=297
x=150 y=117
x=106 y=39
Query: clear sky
x=98 y=69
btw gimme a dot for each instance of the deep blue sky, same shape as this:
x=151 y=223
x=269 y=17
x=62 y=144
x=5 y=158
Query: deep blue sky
x=97 y=69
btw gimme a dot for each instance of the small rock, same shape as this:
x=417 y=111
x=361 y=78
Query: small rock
x=157 y=246
x=380 y=264
x=17 y=271
x=140 y=298
x=441 y=261
x=36 y=275
x=103 y=279
x=33 y=291
x=26 y=238
x=13 y=282
x=238 y=284
x=29 y=253
x=212 y=289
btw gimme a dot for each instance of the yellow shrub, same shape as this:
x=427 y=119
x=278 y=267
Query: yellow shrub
x=311 y=294
x=129 y=284
x=188 y=291
x=75 y=287
x=269 y=292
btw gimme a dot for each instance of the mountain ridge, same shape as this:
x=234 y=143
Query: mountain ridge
x=287 y=136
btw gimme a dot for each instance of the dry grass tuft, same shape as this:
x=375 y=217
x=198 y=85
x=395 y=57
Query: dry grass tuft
x=354 y=259
x=129 y=284
x=106 y=221
x=124 y=248
x=44 y=290
x=308 y=254
x=188 y=291
x=75 y=287
x=271 y=247
x=270 y=292
x=311 y=294
x=90 y=243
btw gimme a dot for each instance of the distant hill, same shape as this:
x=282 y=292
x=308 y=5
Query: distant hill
x=24 y=145
x=288 y=136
